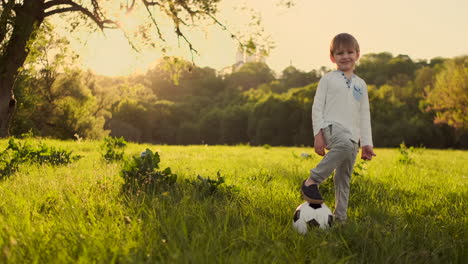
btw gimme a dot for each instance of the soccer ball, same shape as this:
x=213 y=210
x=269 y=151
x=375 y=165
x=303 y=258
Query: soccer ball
x=308 y=216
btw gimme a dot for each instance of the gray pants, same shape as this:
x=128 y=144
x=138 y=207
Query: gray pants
x=340 y=158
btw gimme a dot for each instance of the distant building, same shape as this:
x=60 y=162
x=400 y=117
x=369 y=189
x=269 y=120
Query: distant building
x=242 y=57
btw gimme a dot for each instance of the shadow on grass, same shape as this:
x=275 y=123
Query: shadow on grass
x=195 y=220
x=393 y=225
x=187 y=221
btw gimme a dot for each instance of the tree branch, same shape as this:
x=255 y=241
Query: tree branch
x=233 y=36
x=150 y=3
x=5 y=18
x=147 y=5
x=52 y=3
x=96 y=16
x=61 y=10
x=130 y=8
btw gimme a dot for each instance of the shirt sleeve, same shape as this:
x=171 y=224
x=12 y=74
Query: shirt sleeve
x=318 y=106
x=365 y=122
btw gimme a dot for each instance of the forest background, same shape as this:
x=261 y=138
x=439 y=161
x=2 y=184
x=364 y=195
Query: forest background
x=421 y=103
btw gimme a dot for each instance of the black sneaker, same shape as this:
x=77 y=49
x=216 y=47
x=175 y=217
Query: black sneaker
x=311 y=193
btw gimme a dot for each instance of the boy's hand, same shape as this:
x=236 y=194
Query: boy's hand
x=367 y=153
x=319 y=144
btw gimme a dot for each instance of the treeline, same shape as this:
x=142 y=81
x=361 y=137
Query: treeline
x=417 y=102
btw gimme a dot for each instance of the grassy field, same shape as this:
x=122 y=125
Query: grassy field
x=404 y=208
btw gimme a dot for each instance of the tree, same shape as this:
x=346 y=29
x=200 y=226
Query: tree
x=292 y=77
x=373 y=67
x=56 y=98
x=249 y=76
x=175 y=78
x=449 y=97
x=21 y=19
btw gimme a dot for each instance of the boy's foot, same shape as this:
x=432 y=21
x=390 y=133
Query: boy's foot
x=311 y=193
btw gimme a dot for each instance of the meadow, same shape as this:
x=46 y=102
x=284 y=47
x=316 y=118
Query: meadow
x=406 y=206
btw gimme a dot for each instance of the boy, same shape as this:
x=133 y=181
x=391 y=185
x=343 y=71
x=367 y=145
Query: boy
x=341 y=121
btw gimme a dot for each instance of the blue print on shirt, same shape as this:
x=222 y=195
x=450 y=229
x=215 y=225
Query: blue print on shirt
x=357 y=93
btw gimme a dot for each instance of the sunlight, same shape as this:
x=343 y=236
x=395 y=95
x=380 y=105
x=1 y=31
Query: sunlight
x=305 y=47
x=129 y=22
x=112 y=55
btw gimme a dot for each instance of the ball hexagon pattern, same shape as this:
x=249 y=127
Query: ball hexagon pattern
x=308 y=216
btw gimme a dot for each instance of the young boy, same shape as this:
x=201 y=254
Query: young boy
x=341 y=122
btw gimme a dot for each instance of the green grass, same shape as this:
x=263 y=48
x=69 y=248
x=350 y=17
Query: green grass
x=399 y=212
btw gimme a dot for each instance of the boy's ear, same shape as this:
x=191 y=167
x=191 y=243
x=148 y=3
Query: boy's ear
x=358 y=53
x=332 y=58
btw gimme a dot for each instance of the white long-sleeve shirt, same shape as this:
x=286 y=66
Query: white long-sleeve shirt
x=343 y=101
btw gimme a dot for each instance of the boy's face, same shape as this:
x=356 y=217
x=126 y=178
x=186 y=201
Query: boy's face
x=345 y=59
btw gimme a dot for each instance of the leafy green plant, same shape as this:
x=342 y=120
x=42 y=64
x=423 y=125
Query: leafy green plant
x=359 y=168
x=141 y=174
x=29 y=134
x=207 y=186
x=19 y=153
x=405 y=154
x=113 y=148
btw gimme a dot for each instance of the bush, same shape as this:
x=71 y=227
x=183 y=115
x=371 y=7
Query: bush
x=405 y=154
x=113 y=148
x=17 y=153
x=141 y=175
x=206 y=187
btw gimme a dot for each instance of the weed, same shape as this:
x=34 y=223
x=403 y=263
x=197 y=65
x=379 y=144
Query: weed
x=17 y=153
x=207 y=187
x=28 y=134
x=359 y=169
x=141 y=175
x=113 y=148
x=404 y=157
x=49 y=205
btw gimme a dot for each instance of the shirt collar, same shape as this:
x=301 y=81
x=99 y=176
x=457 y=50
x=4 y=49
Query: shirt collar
x=343 y=74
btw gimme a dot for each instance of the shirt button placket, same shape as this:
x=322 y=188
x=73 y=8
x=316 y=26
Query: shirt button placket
x=348 y=82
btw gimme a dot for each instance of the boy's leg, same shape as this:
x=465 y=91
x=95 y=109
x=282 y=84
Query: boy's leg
x=341 y=148
x=342 y=179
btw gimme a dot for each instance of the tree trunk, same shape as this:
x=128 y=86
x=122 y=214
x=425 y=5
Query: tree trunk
x=29 y=16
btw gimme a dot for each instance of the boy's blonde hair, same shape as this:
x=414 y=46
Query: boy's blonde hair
x=343 y=40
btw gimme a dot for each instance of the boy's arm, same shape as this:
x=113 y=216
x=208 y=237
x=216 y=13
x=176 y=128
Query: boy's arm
x=366 y=131
x=317 y=116
x=319 y=143
x=367 y=152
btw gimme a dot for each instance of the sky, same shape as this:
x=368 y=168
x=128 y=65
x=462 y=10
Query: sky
x=422 y=29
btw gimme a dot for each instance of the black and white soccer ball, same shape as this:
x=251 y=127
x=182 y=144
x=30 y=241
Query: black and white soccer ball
x=308 y=216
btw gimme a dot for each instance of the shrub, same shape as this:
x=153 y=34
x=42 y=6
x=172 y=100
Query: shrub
x=141 y=174
x=17 y=153
x=113 y=148
x=404 y=157
x=207 y=187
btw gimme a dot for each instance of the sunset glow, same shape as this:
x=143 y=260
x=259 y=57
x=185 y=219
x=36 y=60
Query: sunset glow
x=301 y=34
x=111 y=54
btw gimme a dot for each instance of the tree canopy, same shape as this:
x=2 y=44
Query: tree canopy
x=250 y=105
x=21 y=19
x=449 y=97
